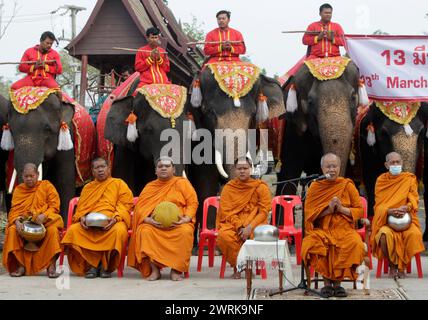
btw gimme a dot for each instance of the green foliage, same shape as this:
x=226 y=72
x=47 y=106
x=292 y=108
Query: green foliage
x=380 y=32
x=194 y=30
x=4 y=87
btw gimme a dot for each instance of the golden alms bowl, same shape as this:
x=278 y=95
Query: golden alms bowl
x=166 y=213
x=32 y=233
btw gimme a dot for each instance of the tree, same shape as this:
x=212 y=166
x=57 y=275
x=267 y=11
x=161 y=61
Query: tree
x=194 y=32
x=4 y=87
x=9 y=20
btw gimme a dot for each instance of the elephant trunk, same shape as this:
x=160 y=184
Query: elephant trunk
x=407 y=147
x=26 y=152
x=336 y=130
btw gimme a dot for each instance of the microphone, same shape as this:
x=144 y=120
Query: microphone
x=322 y=177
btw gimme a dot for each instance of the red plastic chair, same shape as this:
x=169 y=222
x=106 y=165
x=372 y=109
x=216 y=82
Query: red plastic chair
x=384 y=261
x=362 y=231
x=207 y=237
x=288 y=202
x=71 y=207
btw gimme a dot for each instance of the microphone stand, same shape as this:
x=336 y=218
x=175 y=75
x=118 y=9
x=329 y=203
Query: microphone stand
x=303 y=282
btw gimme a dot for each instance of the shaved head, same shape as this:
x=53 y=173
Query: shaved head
x=30 y=167
x=392 y=155
x=329 y=156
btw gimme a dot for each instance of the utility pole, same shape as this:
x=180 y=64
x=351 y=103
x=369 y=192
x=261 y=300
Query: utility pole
x=74 y=10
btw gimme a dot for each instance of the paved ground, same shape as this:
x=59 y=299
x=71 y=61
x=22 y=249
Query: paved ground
x=205 y=285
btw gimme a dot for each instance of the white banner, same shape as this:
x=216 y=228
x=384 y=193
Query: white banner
x=392 y=67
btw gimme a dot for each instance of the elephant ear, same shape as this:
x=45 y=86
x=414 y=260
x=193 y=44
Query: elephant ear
x=67 y=113
x=4 y=109
x=275 y=97
x=116 y=127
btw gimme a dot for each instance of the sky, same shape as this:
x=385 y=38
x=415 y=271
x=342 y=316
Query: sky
x=260 y=22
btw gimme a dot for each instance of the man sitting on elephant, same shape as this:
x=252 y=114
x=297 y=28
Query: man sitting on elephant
x=98 y=251
x=37 y=201
x=41 y=63
x=154 y=245
x=224 y=43
x=152 y=61
x=396 y=194
x=244 y=204
x=331 y=244
x=329 y=39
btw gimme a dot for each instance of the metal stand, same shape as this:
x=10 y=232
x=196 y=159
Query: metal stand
x=303 y=281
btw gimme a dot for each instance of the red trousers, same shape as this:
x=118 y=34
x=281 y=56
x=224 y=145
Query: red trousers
x=28 y=81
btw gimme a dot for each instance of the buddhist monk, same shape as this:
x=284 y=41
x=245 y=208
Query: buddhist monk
x=153 y=246
x=396 y=193
x=331 y=244
x=94 y=251
x=244 y=204
x=39 y=202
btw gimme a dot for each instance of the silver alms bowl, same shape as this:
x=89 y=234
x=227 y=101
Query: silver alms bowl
x=266 y=232
x=400 y=224
x=96 y=219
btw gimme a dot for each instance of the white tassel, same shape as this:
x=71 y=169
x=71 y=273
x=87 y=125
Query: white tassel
x=262 y=109
x=362 y=95
x=371 y=138
x=196 y=97
x=292 y=100
x=40 y=171
x=132 y=132
x=64 y=140
x=7 y=139
x=408 y=129
x=237 y=102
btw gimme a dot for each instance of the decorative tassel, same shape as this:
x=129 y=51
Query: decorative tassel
x=262 y=109
x=352 y=158
x=408 y=129
x=292 y=99
x=64 y=140
x=371 y=138
x=132 y=132
x=191 y=129
x=362 y=94
x=278 y=166
x=237 y=102
x=196 y=97
x=7 y=139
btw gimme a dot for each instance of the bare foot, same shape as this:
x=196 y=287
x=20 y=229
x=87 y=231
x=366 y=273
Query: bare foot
x=52 y=271
x=176 y=275
x=236 y=275
x=401 y=274
x=18 y=272
x=155 y=275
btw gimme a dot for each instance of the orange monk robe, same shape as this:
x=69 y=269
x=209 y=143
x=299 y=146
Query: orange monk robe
x=332 y=245
x=167 y=248
x=393 y=192
x=43 y=198
x=241 y=204
x=91 y=247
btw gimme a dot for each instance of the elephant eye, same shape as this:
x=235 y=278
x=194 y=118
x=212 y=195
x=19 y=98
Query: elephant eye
x=47 y=127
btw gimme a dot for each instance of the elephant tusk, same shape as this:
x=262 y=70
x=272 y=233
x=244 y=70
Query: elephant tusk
x=248 y=155
x=12 y=181
x=184 y=174
x=40 y=170
x=219 y=164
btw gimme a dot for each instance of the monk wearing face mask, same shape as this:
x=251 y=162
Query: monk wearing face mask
x=396 y=193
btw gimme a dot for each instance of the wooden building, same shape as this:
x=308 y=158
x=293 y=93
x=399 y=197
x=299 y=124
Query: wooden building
x=123 y=23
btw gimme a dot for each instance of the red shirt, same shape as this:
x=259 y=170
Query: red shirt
x=215 y=51
x=50 y=70
x=325 y=47
x=152 y=71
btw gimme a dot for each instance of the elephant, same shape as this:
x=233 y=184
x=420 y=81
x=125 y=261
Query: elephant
x=323 y=122
x=390 y=136
x=3 y=154
x=135 y=162
x=218 y=111
x=35 y=137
